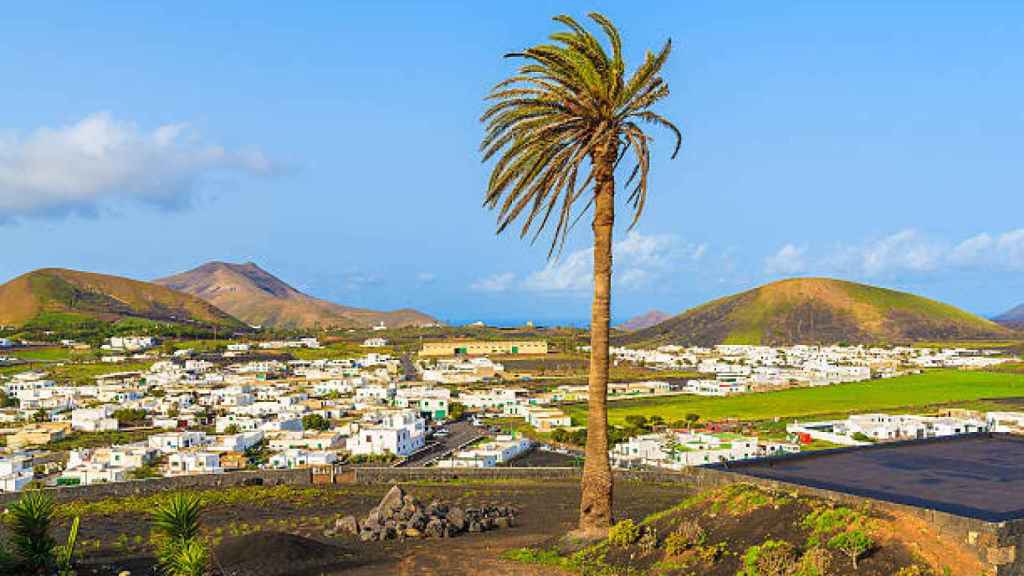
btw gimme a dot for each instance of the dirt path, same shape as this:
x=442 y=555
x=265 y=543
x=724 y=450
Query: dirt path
x=546 y=512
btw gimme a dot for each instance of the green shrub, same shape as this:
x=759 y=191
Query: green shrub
x=771 y=558
x=688 y=535
x=623 y=534
x=589 y=561
x=826 y=522
x=854 y=543
x=814 y=562
x=315 y=422
x=648 y=541
x=534 y=556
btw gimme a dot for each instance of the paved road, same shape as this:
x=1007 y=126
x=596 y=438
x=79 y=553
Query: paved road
x=459 y=434
x=409 y=367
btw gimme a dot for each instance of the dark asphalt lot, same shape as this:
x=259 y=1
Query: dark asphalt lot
x=459 y=434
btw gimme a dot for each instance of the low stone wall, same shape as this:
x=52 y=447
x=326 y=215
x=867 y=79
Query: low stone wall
x=372 y=475
x=697 y=477
x=300 y=477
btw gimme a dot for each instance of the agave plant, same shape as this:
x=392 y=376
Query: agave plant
x=191 y=558
x=177 y=518
x=29 y=520
x=182 y=552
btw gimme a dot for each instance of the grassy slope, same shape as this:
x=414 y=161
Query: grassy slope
x=938 y=387
x=76 y=296
x=819 y=310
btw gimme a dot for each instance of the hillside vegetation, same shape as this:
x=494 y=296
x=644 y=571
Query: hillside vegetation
x=818 y=311
x=58 y=299
x=747 y=530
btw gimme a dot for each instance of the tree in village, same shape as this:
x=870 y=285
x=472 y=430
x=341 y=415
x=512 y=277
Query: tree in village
x=559 y=129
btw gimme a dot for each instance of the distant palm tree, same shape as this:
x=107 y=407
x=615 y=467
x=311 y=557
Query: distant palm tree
x=560 y=127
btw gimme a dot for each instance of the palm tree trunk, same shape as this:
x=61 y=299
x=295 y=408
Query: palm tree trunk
x=596 y=501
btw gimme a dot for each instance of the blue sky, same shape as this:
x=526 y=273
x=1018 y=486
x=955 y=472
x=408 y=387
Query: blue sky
x=335 y=144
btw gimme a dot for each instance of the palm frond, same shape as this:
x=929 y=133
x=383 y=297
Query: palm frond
x=551 y=122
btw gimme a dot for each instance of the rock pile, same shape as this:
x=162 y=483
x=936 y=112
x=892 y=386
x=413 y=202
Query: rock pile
x=401 y=515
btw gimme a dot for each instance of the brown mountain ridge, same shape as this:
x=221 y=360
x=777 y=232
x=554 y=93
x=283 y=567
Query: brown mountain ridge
x=645 y=320
x=259 y=298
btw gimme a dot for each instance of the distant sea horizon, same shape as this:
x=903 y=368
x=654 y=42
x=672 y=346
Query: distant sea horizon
x=519 y=322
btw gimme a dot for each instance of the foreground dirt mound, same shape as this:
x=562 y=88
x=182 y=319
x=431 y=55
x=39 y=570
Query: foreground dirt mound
x=275 y=554
x=744 y=530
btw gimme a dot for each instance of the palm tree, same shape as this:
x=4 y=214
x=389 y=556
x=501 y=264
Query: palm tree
x=560 y=127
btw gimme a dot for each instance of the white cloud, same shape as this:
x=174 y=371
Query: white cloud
x=788 y=260
x=907 y=252
x=1001 y=251
x=972 y=250
x=638 y=261
x=75 y=168
x=1010 y=248
x=426 y=277
x=356 y=280
x=494 y=283
x=904 y=251
x=571 y=273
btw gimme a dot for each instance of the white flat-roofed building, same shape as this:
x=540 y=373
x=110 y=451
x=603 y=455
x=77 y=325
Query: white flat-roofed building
x=235 y=442
x=376 y=342
x=168 y=442
x=193 y=462
x=97 y=419
x=544 y=419
x=502 y=449
x=15 y=472
x=676 y=450
x=398 y=432
x=1005 y=422
x=300 y=458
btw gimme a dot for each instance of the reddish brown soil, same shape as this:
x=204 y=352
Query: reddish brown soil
x=898 y=541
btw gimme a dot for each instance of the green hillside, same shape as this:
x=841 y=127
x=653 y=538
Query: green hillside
x=68 y=300
x=818 y=311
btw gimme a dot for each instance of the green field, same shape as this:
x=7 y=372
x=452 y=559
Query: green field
x=85 y=373
x=931 y=388
x=44 y=354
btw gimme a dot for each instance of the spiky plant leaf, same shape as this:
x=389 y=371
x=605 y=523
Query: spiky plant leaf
x=177 y=518
x=188 y=558
x=66 y=552
x=29 y=521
